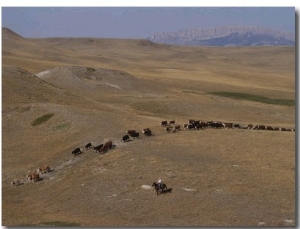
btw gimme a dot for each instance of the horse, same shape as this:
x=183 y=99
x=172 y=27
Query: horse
x=161 y=189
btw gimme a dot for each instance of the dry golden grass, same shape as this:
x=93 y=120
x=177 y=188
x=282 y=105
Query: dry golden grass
x=97 y=89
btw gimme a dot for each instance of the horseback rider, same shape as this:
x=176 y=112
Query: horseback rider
x=159 y=183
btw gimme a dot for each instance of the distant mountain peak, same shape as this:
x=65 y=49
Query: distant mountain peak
x=226 y=36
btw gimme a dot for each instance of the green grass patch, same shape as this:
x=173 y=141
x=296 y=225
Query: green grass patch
x=255 y=98
x=61 y=126
x=41 y=119
x=193 y=92
x=90 y=69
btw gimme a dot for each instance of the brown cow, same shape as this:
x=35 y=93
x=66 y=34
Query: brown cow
x=172 y=122
x=168 y=128
x=33 y=176
x=228 y=125
x=177 y=127
x=106 y=146
x=43 y=169
x=164 y=123
x=249 y=126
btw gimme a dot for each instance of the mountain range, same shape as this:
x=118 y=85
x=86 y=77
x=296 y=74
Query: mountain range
x=226 y=36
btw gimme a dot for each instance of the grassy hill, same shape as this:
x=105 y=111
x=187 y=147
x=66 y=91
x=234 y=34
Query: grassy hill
x=61 y=93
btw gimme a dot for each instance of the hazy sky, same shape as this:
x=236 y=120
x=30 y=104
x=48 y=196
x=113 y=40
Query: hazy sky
x=136 y=22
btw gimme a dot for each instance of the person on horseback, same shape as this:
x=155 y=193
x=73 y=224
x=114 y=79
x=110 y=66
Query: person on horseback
x=159 y=183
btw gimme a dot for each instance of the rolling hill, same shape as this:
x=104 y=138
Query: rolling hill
x=62 y=93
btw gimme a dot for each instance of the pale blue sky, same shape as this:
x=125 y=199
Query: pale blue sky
x=137 y=22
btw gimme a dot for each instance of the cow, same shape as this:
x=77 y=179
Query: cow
x=215 y=124
x=185 y=126
x=249 y=126
x=33 y=177
x=259 y=127
x=172 y=122
x=16 y=182
x=135 y=135
x=228 y=125
x=87 y=146
x=209 y=124
x=131 y=132
x=168 y=128
x=191 y=121
x=98 y=147
x=236 y=125
x=270 y=128
x=164 y=123
x=106 y=146
x=177 y=127
x=43 y=169
x=147 y=132
x=125 y=138
x=243 y=127
x=202 y=125
x=191 y=126
x=76 y=151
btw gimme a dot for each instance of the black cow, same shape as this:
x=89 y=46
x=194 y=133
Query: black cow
x=270 y=128
x=97 y=148
x=214 y=124
x=135 y=135
x=125 y=138
x=191 y=126
x=236 y=125
x=131 y=132
x=87 y=146
x=147 y=132
x=76 y=151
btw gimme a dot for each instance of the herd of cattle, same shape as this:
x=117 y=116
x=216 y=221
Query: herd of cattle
x=102 y=148
x=169 y=127
x=33 y=176
x=197 y=125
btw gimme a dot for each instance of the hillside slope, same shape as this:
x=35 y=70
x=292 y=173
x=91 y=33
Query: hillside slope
x=62 y=93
